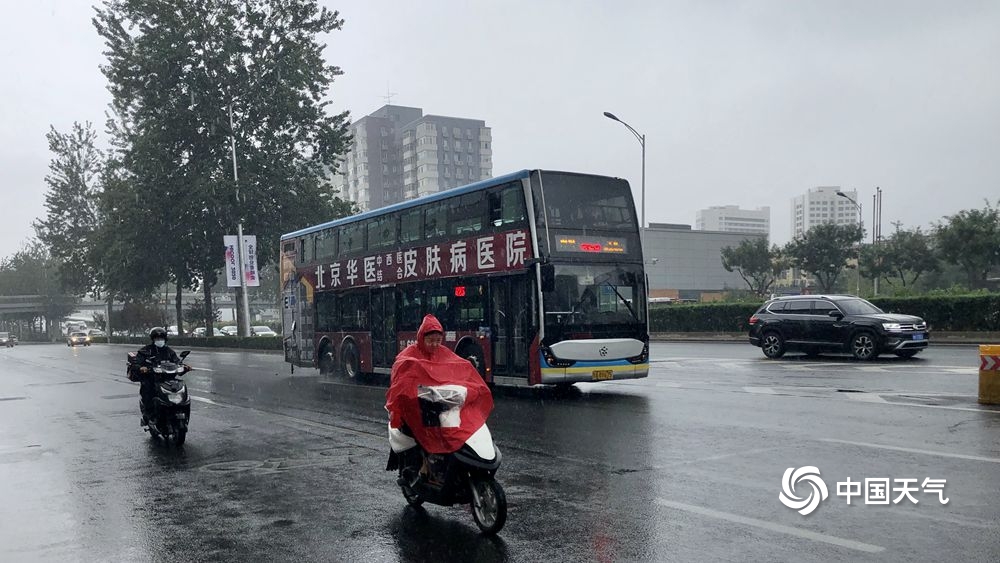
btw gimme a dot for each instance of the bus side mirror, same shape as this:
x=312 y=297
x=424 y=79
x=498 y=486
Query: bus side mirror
x=548 y=272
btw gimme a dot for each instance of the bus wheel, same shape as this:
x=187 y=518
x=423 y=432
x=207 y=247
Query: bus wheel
x=326 y=360
x=350 y=362
x=474 y=353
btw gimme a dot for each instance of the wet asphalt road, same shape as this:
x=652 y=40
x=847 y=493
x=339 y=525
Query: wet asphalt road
x=685 y=465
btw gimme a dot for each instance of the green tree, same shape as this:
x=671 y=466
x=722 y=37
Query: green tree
x=901 y=259
x=194 y=313
x=758 y=265
x=33 y=271
x=71 y=219
x=824 y=251
x=180 y=74
x=971 y=239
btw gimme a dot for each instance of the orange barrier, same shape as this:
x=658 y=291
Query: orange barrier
x=989 y=374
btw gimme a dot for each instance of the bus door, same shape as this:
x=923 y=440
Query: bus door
x=511 y=324
x=383 y=323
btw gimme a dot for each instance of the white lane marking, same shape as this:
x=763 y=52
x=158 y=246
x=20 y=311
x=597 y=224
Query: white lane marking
x=204 y=400
x=944 y=407
x=201 y=369
x=912 y=450
x=781 y=529
x=866 y=397
x=760 y=390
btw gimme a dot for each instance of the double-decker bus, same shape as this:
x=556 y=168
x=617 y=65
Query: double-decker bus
x=536 y=276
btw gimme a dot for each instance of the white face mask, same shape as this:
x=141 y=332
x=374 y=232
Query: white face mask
x=160 y=343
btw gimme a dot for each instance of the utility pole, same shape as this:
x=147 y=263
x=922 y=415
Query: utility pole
x=245 y=325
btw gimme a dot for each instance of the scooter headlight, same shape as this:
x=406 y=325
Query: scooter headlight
x=175 y=398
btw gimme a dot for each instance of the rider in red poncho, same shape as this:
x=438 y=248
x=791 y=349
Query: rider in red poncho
x=435 y=394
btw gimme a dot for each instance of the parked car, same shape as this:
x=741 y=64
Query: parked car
x=227 y=331
x=78 y=339
x=835 y=323
x=96 y=332
x=7 y=339
x=198 y=332
x=262 y=331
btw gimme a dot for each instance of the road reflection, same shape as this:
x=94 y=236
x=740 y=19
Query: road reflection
x=422 y=535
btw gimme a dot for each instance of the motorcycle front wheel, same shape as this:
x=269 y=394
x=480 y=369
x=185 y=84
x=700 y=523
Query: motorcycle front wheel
x=489 y=504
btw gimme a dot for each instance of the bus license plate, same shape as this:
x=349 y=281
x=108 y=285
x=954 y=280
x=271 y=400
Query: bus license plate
x=602 y=374
x=918 y=336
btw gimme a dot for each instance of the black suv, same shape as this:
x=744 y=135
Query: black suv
x=834 y=323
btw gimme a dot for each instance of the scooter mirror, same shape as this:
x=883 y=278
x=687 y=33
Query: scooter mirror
x=185 y=354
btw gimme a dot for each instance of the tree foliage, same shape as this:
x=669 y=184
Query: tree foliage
x=33 y=271
x=71 y=222
x=901 y=259
x=824 y=251
x=971 y=239
x=179 y=74
x=758 y=265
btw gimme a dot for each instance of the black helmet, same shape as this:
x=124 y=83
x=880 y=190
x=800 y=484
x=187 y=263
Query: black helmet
x=158 y=332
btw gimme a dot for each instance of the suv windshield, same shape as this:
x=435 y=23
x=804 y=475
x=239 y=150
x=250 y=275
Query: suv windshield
x=858 y=307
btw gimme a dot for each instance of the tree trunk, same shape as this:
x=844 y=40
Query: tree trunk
x=209 y=317
x=179 y=306
x=107 y=322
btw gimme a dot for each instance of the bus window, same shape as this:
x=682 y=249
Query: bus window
x=465 y=214
x=512 y=210
x=435 y=220
x=410 y=308
x=411 y=226
x=352 y=238
x=470 y=301
x=382 y=232
x=326 y=244
x=354 y=310
x=326 y=312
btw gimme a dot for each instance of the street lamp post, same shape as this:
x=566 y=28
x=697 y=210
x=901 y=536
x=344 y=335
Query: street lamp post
x=642 y=143
x=858 y=205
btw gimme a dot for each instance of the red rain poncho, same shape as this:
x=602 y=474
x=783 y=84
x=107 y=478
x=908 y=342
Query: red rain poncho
x=441 y=375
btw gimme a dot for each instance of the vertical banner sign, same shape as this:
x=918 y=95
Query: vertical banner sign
x=232 y=266
x=250 y=267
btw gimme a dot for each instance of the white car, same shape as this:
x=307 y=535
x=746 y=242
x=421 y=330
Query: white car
x=262 y=331
x=228 y=331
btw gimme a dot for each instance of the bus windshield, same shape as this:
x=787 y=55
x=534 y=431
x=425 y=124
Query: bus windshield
x=588 y=203
x=596 y=294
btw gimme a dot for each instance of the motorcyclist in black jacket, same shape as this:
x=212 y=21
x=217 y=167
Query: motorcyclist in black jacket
x=156 y=351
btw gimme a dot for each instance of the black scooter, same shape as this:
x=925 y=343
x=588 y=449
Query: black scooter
x=167 y=418
x=462 y=477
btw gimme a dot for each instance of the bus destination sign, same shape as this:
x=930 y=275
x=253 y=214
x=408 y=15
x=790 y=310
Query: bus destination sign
x=590 y=244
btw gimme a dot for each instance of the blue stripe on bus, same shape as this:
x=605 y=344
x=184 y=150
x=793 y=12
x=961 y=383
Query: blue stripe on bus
x=485 y=184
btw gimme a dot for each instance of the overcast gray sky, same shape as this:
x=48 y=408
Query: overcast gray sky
x=745 y=103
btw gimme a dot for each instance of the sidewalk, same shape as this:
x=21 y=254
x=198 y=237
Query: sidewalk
x=936 y=339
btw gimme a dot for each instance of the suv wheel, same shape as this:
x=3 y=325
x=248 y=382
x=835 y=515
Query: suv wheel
x=863 y=346
x=773 y=345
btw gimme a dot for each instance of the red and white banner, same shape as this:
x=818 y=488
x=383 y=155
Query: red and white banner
x=232 y=267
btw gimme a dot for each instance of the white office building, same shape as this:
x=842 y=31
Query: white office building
x=732 y=219
x=823 y=205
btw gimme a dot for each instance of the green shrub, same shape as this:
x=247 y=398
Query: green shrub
x=950 y=313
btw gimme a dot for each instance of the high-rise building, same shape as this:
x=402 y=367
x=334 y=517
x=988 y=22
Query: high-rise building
x=399 y=153
x=823 y=205
x=732 y=219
